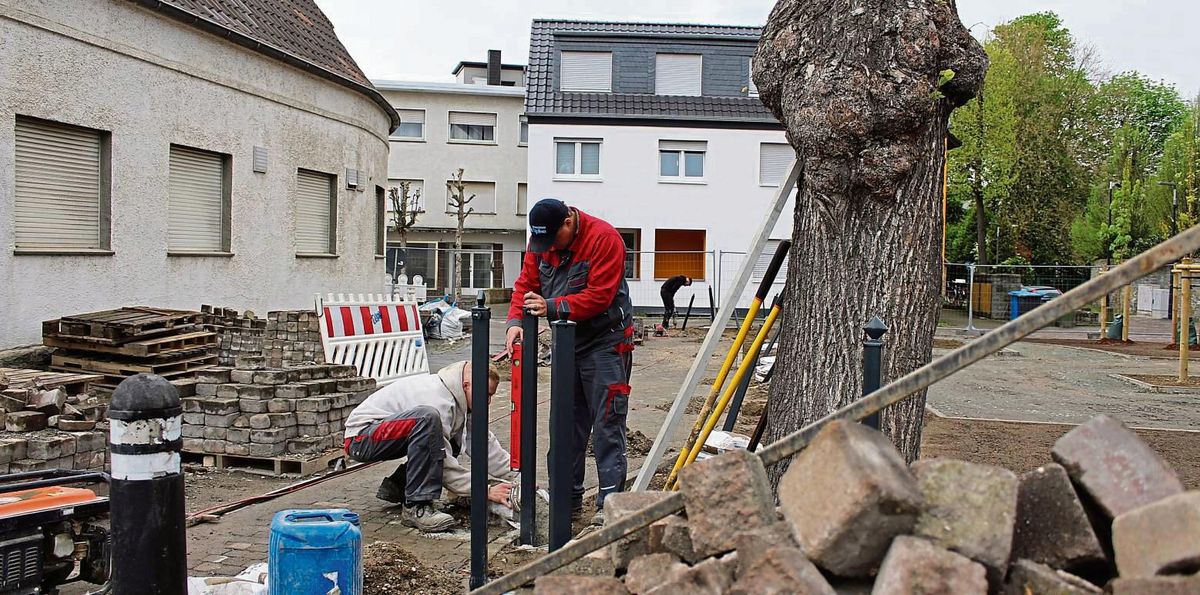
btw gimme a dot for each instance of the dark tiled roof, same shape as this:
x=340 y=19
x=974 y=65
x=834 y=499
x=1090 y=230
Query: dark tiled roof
x=542 y=99
x=294 y=31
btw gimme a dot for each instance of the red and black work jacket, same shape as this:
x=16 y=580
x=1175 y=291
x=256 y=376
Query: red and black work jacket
x=585 y=281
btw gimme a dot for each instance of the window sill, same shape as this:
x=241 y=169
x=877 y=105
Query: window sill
x=522 y=144
x=199 y=254
x=697 y=182
x=314 y=255
x=456 y=141
x=562 y=178
x=62 y=252
x=380 y=256
x=405 y=139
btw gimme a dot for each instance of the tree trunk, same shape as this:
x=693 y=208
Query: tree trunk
x=865 y=89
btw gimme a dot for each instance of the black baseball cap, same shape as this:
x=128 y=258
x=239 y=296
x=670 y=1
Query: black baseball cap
x=545 y=219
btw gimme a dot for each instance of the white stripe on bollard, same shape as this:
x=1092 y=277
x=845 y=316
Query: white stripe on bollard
x=144 y=467
x=146 y=431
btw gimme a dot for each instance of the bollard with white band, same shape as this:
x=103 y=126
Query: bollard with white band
x=146 y=492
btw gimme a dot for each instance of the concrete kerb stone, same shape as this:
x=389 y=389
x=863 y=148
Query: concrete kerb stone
x=877 y=498
x=781 y=570
x=1027 y=576
x=1160 y=538
x=1052 y=527
x=914 y=565
x=1117 y=469
x=969 y=509
x=724 y=496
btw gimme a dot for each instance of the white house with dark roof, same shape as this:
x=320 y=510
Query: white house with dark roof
x=174 y=152
x=657 y=129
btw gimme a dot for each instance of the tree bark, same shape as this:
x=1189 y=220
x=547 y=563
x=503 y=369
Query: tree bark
x=865 y=89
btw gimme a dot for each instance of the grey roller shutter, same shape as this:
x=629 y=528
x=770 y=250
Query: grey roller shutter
x=196 y=209
x=586 y=71
x=683 y=145
x=677 y=74
x=773 y=161
x=59 y=193
x=472 y=119
x=314 y=204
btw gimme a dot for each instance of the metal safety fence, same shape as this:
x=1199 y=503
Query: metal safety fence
x=1002 y=292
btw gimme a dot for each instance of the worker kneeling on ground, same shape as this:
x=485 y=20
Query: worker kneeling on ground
x=425 y=418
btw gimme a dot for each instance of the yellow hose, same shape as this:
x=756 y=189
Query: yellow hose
x=742 y=370
x=738 y=341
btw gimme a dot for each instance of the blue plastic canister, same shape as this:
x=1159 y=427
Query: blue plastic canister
x=311 y=550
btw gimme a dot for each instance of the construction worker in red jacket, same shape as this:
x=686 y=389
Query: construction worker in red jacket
x=575 y=267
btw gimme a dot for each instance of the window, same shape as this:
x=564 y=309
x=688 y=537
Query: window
x=316 y=213
x=476 y=270
x=677 y=74
x=681 y=161
x=416 y=195
x=750 y=86
x=198 y=201
x=484 y=202
x=470 y=127
x=524 y=138
x=577 y=158
x=418 y=259
x=773 y=162
x=62 y=187
x=522 y=198
x=412 y=125
x=764 y=261
x=679 y=252
x=380 y=221
x=633 y=248
x=586 y=71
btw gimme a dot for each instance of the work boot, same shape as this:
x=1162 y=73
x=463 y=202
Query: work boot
x=423 y=517
x=390 y=491
x=598 y=518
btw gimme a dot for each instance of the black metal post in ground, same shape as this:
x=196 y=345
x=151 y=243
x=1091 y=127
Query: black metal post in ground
x=873 y=363
x=562 y=420
x=146 y=491
x=480 y=319
x=529 y=381
x=712 y=305
x=688 y=314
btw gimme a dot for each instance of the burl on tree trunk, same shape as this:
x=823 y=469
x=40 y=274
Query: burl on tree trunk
x=865 y=89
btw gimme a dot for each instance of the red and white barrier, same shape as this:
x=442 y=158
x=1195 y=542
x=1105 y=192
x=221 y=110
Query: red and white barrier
x=380 y=335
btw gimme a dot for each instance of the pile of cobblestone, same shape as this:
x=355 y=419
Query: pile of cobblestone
x=284 y=337
x=270 y=412
x=854 y=518
x=52 y=449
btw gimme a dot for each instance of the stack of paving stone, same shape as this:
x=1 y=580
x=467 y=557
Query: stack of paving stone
x=33 y=400
x=271 y=412
x=283 y=337
x=51 y=449
x=853 y=518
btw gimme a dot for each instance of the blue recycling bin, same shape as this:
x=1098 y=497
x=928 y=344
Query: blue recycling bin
x=312 y=550
x=1021 y=301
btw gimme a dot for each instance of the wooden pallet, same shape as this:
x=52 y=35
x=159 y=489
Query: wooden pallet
x=158 y=347
x=71 y=383
x=109 y=382
x=123 y=325
x=265 y=466
x=124 y=368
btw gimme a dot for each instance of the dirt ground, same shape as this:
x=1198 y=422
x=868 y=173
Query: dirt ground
x=389 y=569
x=205 y=486
x=1165 y=379
x=1023 y=447
x=1154 y=350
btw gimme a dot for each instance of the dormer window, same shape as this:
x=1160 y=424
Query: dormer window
x=586 y=72
x=678 y=74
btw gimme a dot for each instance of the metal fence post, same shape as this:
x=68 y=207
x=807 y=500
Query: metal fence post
x=146 y=492
x=562 y=420
x=873 y=363
x=688 y=314
x=971 y=297
x=529 y=382
x=480 y=318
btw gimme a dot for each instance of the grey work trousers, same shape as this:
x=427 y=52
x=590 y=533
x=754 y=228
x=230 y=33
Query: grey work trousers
x=601 y=406
x=417 y=434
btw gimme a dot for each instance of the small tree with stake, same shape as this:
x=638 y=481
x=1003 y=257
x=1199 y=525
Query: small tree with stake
x=406 y=205
x=458 y=202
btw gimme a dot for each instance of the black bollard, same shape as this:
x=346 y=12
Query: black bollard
x=146 y=492
x=712 y=305
x=529 y=382
x=873 y=363
x=562 y=421
x=480 y=318
x=688 y=313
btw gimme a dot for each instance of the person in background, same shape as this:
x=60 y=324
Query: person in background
x=574 y=268
x=424 y=417
x=669 y=288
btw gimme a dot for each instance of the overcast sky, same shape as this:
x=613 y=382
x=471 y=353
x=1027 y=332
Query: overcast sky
x=424 y=40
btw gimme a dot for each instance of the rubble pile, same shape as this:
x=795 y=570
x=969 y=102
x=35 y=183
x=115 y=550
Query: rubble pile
x=284 y=337
x=270 y=412
x=853 y=518
x=35 y=400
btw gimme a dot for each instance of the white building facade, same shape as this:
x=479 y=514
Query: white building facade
x=657 y=130
x=171 y=155
x=476 y=123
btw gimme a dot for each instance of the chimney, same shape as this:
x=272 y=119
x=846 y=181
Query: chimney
x=493 y=68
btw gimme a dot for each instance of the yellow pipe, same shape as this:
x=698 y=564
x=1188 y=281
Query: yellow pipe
x=738 y=341
x=742 y=370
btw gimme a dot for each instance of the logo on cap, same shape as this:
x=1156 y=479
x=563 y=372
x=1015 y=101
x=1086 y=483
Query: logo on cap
x=538 y=229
